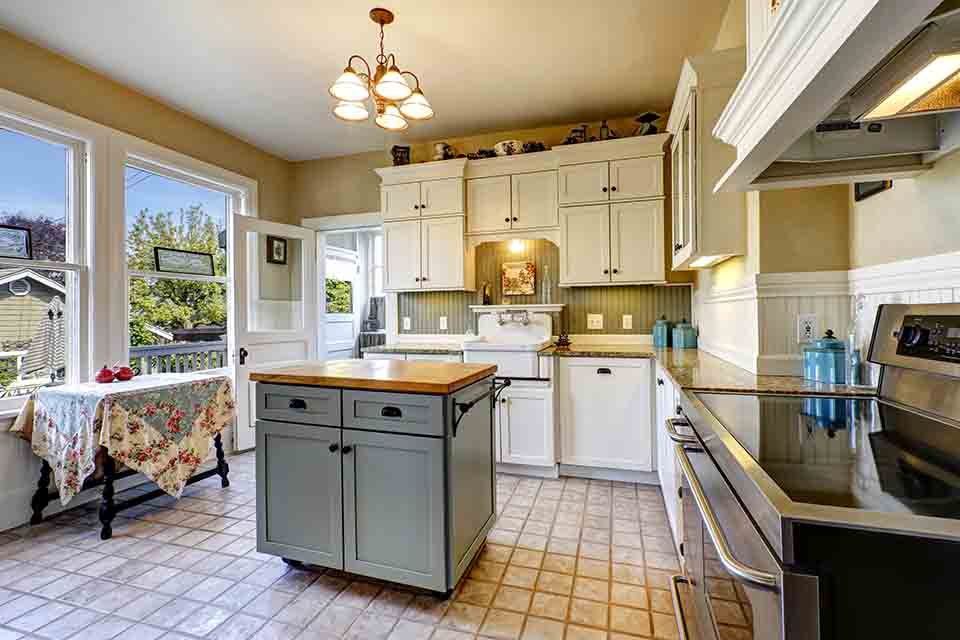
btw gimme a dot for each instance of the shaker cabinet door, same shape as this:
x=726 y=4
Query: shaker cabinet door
x=526 y=426
x=585 y=245
x=534 y=200
x=441 y=197
x=299 y=493
x=636 y=242
x=579 y=183
x=442 y=256
x=395 y=479
x=398 y=201
x=636 y=178
x=401 y=242
x=488 y=204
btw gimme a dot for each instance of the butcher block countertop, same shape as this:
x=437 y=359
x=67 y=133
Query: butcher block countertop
x=398 y=376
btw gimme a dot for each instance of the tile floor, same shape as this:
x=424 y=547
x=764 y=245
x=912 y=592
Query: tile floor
x=569 y=559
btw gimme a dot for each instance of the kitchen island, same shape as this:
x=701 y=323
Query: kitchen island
x=380 y=468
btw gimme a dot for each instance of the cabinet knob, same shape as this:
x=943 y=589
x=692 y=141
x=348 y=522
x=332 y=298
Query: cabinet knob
x=506 y=219
x=515 y=218
x=423 y=206
x=347 y=450
x=659 y=382
x=613 y=188
x=604 y=189
x=423 y=279
x=616 y=271
x=604 y=371
x=416 y=206
x=677 y=247
x=606 y=271
x=503 y=401
x=334 y=447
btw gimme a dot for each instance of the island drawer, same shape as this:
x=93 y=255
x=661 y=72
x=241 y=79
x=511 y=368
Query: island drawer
x=393 y=412
x=291 y=403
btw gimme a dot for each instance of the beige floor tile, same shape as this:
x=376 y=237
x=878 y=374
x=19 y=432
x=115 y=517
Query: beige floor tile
x=542 y=629
x=512 y=599
x=584 y=633
x=510 y=524
x=464 y=617
x=665 y=626
x=635 y=621
x=495 y=553
x=427 y=609
x=450 y=634
x=520 y=577
x=502 y=624
x=563 y=546
x=598 y=569
x=532 y=541
x=551 y=582
x=549 y=605
x=589 y=613
x=410 y=630
x=476 y=592
x=487 y=571
x=658 y=579
x=559 y=564
x=537 y=528
x=591 y=589
x=566 y=531
x=629 y=595
x=660 y=600
x=527 y=558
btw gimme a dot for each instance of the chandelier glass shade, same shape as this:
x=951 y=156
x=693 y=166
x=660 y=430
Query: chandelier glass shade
x=393 y=98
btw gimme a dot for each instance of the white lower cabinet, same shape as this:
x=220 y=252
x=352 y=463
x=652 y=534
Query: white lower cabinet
x=525 y=426
x=668 y=469
x=606 y=413
x=425 y=357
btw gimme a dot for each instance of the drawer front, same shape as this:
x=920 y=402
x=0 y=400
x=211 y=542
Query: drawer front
x=394 y=412
x=291 y=403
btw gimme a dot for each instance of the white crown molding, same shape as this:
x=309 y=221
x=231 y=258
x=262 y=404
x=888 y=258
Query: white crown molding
x=343 y=221
x=436 y=170
x=918 y=274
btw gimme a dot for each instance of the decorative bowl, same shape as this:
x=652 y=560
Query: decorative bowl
x=508 y=147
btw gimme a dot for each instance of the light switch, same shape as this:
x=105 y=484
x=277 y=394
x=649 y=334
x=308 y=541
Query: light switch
x=406 y=323
x=627 y=321
x=443 y=323
x=595 y=321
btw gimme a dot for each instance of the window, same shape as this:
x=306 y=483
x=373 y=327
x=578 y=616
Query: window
x=41 y=213
x=341 y=270
x=339 y=296
x=177 y=321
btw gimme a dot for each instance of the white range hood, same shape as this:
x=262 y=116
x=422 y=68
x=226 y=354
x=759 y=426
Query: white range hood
x=846 y=91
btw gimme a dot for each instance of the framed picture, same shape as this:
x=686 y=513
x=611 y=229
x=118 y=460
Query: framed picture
x=276 y=250
x=15 y=242
x=863 y=190
x=179 y=261
x=519 y=278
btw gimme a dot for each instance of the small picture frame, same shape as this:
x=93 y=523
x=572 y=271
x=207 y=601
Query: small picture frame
x=519 y=278
x=15 y=242
x=864 y=190
x=276 y=250
x=169 y=260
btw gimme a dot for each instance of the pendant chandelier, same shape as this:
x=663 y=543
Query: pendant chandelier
x=393 y=100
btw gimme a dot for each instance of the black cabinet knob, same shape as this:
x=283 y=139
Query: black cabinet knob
x=423 y=279
x=659 y=382
x=334 y=447
x=515 y=219
x=416 y=279
x=503 y=401
x=677 y=247
x=506 y=219
x=423 y=206
x=416 y=206
x=606 y=271
x=347 y=450
x=604 y=189
x=616 y=271
x=613 y=188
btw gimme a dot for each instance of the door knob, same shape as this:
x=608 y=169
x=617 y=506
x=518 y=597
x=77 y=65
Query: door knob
x=334 y=447
x=243 y=355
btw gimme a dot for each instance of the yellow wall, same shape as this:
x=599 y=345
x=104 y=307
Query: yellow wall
x=733 y=27
x=37 y=73
x=804 y=230
x=917 y=217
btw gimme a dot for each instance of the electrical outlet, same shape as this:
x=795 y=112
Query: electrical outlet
x=443 y=323
x=807 y=327
x=627 y=321
x=595 y=321
x=406 y=323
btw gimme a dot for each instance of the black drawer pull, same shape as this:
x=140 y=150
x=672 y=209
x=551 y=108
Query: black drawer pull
x=298 y=403
x=604 y=371
x=391 y=412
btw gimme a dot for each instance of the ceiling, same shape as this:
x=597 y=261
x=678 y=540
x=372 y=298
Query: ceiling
x=260 y=70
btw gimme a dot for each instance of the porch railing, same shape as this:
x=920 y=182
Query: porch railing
x=179 y=357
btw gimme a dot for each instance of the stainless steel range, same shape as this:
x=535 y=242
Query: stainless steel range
x=830 y=517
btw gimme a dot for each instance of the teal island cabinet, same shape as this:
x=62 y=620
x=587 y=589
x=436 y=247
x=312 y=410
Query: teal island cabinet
x=381 y=468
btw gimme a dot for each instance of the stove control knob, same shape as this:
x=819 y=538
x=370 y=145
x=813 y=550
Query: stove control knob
x=914 y=335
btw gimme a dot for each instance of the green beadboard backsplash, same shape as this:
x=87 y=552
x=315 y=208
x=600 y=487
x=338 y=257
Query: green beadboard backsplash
x=645 y=303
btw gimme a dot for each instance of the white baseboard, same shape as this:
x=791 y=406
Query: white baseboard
x=613 y=475
x=528 y=470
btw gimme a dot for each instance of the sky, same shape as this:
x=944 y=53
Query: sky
x=33 y=179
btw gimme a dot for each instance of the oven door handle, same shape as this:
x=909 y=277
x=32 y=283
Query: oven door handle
x=736 y=568
x=680 y=438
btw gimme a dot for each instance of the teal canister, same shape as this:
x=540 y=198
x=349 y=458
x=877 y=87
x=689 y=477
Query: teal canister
x=661 y=333
x=684 y=335
x=824 y=360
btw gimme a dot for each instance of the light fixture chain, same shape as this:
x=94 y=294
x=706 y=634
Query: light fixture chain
x=381 y=59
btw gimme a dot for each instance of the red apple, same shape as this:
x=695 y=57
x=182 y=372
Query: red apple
x=123 y=373
x=104 y=375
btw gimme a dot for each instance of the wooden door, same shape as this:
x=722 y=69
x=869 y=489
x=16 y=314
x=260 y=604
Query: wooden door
x=401 y=248
x=399 y=201
x=442 y=253
x=636 y=242
x=636 y=178
x=534 y=200
x=585 y=245
x=394 y=518
x=441 y=197
x=580 y=183
x=526 y=426
x=488 y=204
x=299 y=504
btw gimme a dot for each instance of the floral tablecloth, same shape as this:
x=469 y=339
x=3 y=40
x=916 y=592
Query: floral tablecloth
x=160 y=425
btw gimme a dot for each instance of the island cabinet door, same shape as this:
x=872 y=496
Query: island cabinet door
x=299 y=506
x=393 y=501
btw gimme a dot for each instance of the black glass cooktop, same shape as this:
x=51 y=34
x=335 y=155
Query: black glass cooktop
x=859 y=453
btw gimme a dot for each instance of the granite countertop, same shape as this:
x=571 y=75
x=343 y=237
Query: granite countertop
x=695 y=370
x=438 y=348
x=398 y=376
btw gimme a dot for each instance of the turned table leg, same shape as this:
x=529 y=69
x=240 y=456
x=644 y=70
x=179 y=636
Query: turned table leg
x=222 y=467
x=108 y=509
x=42 y=497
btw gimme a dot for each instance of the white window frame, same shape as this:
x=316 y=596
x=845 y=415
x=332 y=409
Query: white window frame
x=74 y=266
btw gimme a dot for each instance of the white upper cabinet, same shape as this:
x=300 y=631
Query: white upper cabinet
x=585 y=245
x=636 y=242
x=399 y=201
x=534 y=200
x=636 y=178
x=589 y=182
x=488 y=204
x=441 y=197
x=442 y=253
x=401 y=244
